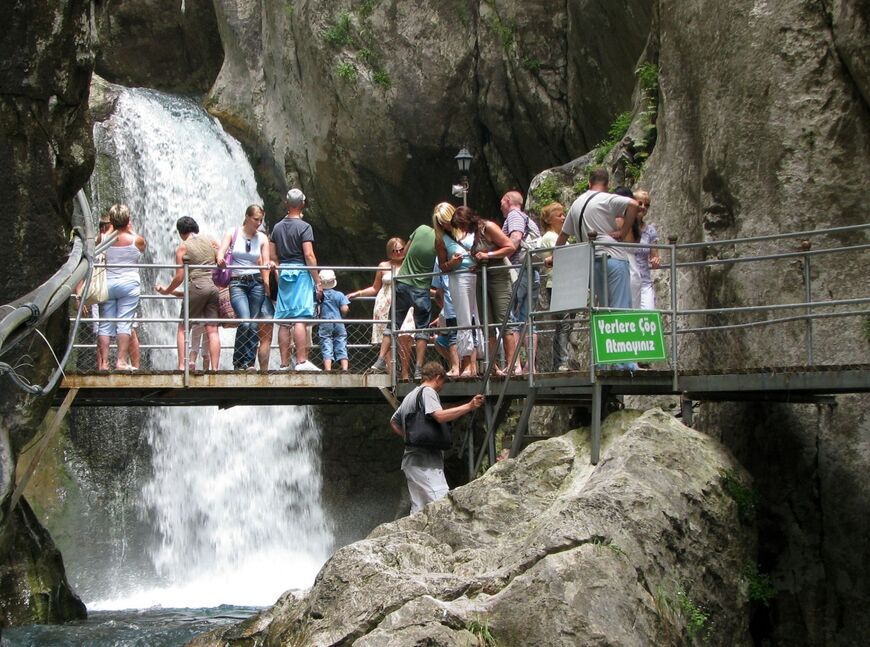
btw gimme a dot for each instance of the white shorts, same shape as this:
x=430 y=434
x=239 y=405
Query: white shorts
x=425 y=485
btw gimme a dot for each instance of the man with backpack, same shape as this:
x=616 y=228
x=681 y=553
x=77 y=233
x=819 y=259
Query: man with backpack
x=523 y=232
x=419 y=420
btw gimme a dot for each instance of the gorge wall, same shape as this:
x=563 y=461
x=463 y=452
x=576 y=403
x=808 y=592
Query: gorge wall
x=762 y=126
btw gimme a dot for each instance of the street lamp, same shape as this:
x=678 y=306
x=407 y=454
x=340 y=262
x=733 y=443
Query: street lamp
x=463 y=161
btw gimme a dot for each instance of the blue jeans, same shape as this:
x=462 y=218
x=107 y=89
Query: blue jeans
x=246 y=294
x=333 y=341
x=520 y=311
x=618 y=292
x=618 y=283
x=408 y=297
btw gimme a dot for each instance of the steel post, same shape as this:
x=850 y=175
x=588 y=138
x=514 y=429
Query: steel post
x=596 y=423
x=185 y=296
x=672 y=241
x=806 y=245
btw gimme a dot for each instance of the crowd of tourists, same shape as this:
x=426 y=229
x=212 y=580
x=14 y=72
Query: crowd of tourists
x=435 y=277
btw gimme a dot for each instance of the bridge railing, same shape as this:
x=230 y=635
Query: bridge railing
x=793 y=300
x=796 y=299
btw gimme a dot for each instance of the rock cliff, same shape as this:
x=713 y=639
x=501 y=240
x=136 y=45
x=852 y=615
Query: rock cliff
x=645 y=548
x=45 y=158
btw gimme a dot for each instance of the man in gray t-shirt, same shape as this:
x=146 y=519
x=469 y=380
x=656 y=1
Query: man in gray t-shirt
x=424 y=467
x=599 y=210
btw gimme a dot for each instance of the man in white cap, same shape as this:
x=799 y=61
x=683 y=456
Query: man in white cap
x=292 y=243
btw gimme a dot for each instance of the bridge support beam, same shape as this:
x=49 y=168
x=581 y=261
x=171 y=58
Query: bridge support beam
x=596 y=422
x=523 y=424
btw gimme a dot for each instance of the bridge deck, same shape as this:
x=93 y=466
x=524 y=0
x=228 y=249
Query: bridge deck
x=229 y=388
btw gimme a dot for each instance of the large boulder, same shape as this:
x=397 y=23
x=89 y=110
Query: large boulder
x=645 y=548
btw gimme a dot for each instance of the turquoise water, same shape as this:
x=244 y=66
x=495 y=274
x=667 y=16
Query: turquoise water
x=130 y=628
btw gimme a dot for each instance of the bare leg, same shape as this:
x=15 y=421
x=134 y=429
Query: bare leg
x=421 y=351
x=285 y=335
x=300 y=338
x=405 y=356
x=510 y=344
x=264 y=350
x=135 y=355
x=103 y=352
x=327 y=365
x=179 y=338
x=214 y=346
x=122 y=360
x=343 y=365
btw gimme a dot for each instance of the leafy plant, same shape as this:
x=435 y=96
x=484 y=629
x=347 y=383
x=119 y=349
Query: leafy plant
x=366 y=8
x=695 y=616
x=382 y=78
x=745 y=497
x=648 y=76
x=546 y=191
x=531 y=63
x=615 y=134
x=339 y=35
x=482 y=632
x=582 y=185
x=759 y=585
x=347 y=71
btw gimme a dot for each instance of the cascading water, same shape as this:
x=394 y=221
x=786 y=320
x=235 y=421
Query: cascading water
x=234 y=494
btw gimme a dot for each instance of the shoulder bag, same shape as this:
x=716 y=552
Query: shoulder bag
x=422 y=430
x=223 y=275
x=98 y=289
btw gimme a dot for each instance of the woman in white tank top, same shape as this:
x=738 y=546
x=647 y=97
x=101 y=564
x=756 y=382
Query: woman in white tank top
x=250 y=251
x=124 y=287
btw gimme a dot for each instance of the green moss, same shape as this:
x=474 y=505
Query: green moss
x=366 y=7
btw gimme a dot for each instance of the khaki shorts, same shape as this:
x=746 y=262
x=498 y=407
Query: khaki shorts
x=497 y=297
x=203 y=300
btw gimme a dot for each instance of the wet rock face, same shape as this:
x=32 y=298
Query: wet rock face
x=45 y=158
x=169 y=45
x=365 y=104
x=613 y=554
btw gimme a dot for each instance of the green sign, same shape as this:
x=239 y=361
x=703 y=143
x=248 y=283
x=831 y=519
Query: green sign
x=632 y=336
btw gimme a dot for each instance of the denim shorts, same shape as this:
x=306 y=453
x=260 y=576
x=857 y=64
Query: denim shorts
x=408 y=297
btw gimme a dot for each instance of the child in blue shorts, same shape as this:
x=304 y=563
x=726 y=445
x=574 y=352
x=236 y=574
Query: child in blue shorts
x=333 y=336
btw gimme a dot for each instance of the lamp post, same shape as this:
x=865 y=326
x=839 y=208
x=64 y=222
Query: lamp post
x=463 y=161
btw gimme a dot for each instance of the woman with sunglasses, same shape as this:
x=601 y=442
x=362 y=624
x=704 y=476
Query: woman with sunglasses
x=250 y=255
x=383 y=294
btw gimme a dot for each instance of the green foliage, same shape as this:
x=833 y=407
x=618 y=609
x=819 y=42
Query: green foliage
x=615 y=134
x=347 y=71
x=602 y=543
x=366 y=8
x=505 y=32
x=695 y=616
x=531 y=63
x=382 y=78
x=648 y=75
x=481 y=630
x=744 y=496
x=289 y=10
x=581 y=186
x=339 y=35
x=546 y=192
x=759 y=585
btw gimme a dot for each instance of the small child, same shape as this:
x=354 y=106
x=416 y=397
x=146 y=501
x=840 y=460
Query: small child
x=333 y=336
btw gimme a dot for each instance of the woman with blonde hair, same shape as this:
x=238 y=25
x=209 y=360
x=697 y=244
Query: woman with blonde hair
x=382 y=290
x=124 y=288
x=647 y=258
x=454 y=243
x=250 y=279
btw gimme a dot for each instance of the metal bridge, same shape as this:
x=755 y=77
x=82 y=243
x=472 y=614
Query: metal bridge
x=819 y=328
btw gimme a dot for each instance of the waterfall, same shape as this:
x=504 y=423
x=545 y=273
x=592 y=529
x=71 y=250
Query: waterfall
x=233 y=496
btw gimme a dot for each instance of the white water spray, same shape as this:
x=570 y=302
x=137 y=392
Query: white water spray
x=235 y=494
